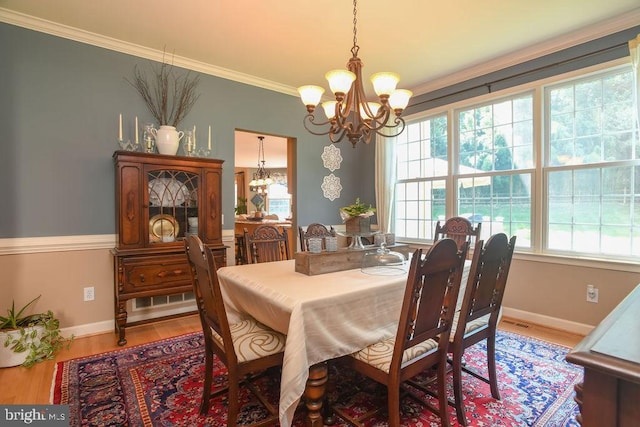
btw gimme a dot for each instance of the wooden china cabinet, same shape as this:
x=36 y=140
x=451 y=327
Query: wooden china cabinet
x=161 y=199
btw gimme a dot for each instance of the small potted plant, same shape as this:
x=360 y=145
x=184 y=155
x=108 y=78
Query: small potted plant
x=241 y=208
x=28 y=339
x=357 y=218
x=258 y=202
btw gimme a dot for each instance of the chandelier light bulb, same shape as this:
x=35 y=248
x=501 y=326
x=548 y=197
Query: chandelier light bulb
x=384 y=83
x=310 y=94
x=399 y=99
x=340 y=81
x=329 y=108
x=373 y=108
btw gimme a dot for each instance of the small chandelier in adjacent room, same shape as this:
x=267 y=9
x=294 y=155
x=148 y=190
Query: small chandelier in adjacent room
x=261 y=178
x=350 y=114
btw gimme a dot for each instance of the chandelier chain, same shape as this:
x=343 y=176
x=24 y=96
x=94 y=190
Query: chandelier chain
x=355 y=48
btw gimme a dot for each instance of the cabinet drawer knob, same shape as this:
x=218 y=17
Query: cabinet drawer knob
x=142 y=277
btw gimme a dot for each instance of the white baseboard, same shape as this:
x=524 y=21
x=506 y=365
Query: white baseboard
x=539 y=319
x=109 y=325
x=89 y=329
x=548 y=321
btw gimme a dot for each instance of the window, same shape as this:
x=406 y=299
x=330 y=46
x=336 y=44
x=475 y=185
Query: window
x=593 y=167
x=422 y=169
x=479 y=161
x=495 y=166
x=279 y=201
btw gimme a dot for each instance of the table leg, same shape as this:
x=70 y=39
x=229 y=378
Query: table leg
x=314 y=394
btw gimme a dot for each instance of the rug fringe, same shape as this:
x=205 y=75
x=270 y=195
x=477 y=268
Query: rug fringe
x=53 y=384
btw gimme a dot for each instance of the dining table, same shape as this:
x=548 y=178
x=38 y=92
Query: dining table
x=323 y=316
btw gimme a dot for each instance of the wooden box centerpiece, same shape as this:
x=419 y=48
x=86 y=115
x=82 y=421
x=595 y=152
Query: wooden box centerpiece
x=343 y=259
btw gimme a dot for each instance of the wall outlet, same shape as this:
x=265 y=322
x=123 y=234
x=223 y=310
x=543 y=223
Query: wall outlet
x=592 y=294
x=89 y=293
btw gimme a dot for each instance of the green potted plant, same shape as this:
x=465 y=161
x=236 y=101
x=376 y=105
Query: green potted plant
x=28 y=339
x=241 y=208
x=357 y=217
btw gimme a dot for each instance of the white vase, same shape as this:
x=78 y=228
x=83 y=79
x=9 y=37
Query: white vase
x=10 y=358
x=168 y=140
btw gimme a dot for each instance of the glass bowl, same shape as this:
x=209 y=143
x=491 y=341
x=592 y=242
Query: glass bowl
x=383 y=262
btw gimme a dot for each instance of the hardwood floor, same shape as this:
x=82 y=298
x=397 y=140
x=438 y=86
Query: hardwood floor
x=32 y=385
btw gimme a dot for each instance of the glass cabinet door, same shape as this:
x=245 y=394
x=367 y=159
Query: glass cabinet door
x=172 y=205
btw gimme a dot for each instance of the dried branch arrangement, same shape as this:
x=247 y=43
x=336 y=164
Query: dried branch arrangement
x=168 y=95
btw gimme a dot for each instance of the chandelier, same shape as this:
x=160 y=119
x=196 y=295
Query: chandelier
x=350 y=114
x=261 y=178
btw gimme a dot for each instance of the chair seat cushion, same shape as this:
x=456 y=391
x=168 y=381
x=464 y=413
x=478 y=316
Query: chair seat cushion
x=478 y=323
x=252 y=340
x=379 y=354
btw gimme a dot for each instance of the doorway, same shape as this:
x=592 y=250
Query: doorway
x=280 y=162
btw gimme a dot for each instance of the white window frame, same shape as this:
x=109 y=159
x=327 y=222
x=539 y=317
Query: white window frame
x=539 y=204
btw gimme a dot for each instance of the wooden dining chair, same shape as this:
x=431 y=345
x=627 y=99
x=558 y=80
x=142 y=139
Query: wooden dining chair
x=266 y=244
x=245 y=348
x=423 y=331
x=314 y=230
x=478 y=317
x=459 y=229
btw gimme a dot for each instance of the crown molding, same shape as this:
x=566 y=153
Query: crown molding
x=602 y=29
x=75 y=34
x=557 y=44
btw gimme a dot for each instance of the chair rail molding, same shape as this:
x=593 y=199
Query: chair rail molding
x=29 y=245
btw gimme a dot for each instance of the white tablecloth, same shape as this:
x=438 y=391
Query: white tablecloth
x=324 y=316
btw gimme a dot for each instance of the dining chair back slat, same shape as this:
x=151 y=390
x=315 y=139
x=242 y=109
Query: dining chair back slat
x=266 y=244
x=478 y=317
x=459 y=229
x=222 y=339
x=209 y=297
x=314 y=230
x=421 y=341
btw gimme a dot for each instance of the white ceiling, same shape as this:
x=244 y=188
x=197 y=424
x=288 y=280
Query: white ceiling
x=283 y=44
x=246 y=151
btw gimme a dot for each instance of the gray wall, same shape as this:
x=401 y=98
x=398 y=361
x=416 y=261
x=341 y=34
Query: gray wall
x=59 y=106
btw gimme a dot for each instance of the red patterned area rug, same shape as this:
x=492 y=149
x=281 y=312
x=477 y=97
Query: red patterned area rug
x=159 y=384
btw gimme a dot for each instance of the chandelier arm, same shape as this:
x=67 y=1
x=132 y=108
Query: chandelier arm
x=399 y=121
x=309 y=120
x=340 y=135
x=380 y=121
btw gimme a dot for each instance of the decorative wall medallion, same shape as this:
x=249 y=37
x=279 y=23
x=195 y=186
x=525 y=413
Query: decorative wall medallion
x=331 y=157
x=331 y=187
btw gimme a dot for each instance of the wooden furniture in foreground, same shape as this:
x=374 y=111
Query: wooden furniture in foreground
x=160 y=199
x=314 y=230
x=422 y=337
x=610 y=355
x=459 y=229
x=245 y=348
x=477 y=319
x=266 y=244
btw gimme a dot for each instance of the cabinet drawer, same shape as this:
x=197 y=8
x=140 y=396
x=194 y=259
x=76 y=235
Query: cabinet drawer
x=141 y=274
